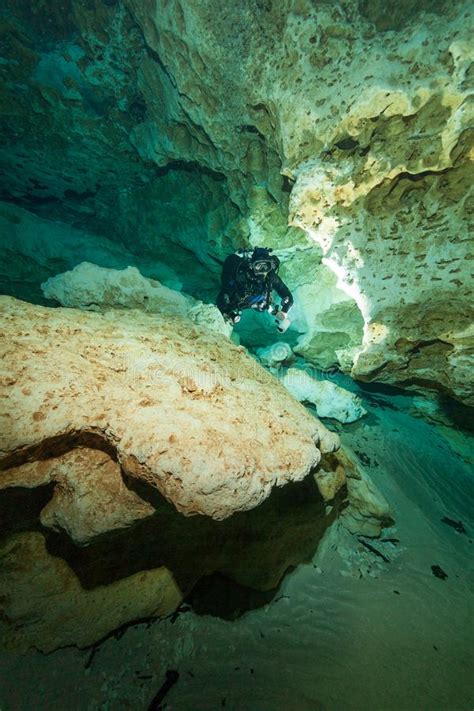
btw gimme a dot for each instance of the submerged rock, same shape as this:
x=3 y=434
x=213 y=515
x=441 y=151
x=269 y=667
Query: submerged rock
x=48 y=605
x=115 y=424
x=89 y=495
x=170 y=398
x=369 y=510
x=32 y=249
x=94 y=288
x=370 y=123
x=328 y=319
x=329 y=399
x=276 y=354
x=55 y=593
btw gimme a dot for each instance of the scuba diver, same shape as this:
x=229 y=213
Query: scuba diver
x=248 y=279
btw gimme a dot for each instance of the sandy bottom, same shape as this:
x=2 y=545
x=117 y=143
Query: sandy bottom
x=347 y=632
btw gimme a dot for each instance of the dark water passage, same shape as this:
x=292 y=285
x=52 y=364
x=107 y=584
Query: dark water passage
x=350 y=630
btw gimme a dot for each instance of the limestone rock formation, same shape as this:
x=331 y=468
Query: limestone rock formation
x=328 y=321
x=369 y=510
x=276 y=354
x=50 y=608
x=94 y=288
x=378 y=170
x=55 y=593
x=331 y=475
x=169 y=397
x=114 y=424
x=89 y=496
x=329 y=399
x=32 y=249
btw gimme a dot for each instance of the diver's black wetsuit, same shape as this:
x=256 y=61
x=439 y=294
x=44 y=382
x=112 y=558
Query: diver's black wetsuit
x=242 y=289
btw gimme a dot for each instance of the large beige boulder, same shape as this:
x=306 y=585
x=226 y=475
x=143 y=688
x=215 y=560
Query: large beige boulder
x=115 y=424
x=180 y=407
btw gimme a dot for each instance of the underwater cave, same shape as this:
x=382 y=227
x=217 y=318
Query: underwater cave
x=236 y=346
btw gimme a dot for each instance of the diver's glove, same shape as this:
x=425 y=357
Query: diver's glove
x=282 y=321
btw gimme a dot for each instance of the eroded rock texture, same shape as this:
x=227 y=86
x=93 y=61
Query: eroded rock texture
x=329 y=399
x=89 y=549
x=92 y=288
x=55 y=593
x=374 y=125
x=114 y=425
x=183 y=130
x=170 y=398
x=89 y=496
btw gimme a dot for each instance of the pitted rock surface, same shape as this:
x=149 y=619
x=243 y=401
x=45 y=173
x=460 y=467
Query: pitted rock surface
x=181 y=407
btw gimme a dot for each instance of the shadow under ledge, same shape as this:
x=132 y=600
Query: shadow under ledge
x=55 y=593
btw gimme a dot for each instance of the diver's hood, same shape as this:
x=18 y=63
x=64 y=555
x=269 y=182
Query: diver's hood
x=262 y=262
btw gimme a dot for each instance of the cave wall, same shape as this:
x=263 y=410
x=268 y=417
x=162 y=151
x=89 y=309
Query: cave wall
x=93 y=115
x=338 y=133
x=371 y=123
x=33 y=249
x=71 y=100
